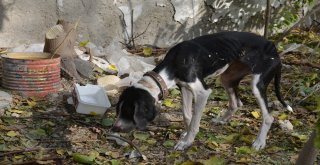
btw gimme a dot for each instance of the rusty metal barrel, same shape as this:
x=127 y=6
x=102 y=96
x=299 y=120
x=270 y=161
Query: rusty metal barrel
x=31 y=74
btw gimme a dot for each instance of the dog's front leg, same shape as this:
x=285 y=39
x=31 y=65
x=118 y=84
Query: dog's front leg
x=201 y=97
x=186 y=106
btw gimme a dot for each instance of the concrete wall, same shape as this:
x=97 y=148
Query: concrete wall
x=158 y=22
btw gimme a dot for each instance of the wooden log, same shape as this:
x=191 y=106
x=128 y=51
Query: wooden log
x=60 y=39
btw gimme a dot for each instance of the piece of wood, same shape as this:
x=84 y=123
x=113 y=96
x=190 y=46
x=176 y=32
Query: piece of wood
x=308 y=153
x=60 y=39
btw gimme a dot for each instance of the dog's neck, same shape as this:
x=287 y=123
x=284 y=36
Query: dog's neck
x=149 y=84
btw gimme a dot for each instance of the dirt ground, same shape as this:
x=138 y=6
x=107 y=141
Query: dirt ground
x=48 y=131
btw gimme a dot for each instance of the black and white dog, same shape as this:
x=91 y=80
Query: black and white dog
x=232 y=55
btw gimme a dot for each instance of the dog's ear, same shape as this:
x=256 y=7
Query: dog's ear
x=139 y=117
x=153 y=111
x=119 y=106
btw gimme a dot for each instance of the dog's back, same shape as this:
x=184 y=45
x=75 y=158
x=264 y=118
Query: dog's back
x=204 y=55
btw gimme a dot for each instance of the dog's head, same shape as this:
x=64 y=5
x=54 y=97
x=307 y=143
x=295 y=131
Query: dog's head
x=136 y=107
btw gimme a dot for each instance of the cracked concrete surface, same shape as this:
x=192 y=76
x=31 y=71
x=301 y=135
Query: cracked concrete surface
x=157 y=22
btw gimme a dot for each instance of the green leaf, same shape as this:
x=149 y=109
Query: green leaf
x=299 y=136
x=115 y=162
x=245 y=160
x=60 y=151
x=189 y=163
x=147 y=51
x=12 y=133
x=107 y=122
x=83 y=43
x=230 y=138
x=141 y=135
x=80 y=158
x=168 y=143
x=37 y=133
x=9 y=121
x=112 y=67
x=247 y=138
x=274 y=149
x=244 y=150
x=283 y=116
x=3 y=147
x=255 y=114
x=213 y=161
x=169 y=103
x=212 y=144
x=151 y=141
x=174 y=92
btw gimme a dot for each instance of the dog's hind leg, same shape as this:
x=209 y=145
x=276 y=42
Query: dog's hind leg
x=231 y=87
x=259 y=86
x=200 y=100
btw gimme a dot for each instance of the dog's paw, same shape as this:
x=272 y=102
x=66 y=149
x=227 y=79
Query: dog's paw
x=184 y=134
x=239 y=103
x=182 y=145
x=259 y=144
x=219 y=121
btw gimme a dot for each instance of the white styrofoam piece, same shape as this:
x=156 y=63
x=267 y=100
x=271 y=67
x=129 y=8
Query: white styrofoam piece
x=92 y=99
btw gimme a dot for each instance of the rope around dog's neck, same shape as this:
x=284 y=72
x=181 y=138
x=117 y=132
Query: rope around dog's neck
x=164 y=92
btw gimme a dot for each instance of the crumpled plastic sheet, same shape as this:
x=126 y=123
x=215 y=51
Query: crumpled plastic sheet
x=126 y=63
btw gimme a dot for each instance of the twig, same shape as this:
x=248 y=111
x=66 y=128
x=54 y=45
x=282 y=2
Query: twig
x=302 y=63
x=316 y=89
x=128 y=141
x=91 y=54
x=57 y=160
x=67 y=141
x=132 y=39
x=142 y=32
x=267 y=17
x=24 y=150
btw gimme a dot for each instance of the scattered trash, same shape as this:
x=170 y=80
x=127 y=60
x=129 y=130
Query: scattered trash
x=98 y=50
x=101 y=63
x=109 y=83
x=286 y=125
x=5 y=99
x=28 y=48
x=135 y=66
x=90 y=99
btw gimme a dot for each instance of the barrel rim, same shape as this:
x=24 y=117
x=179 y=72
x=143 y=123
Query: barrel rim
x=27 y=56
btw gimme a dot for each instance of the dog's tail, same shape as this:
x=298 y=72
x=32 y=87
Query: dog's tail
x=277 y=79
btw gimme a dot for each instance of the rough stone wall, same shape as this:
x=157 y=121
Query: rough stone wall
x=157 y=22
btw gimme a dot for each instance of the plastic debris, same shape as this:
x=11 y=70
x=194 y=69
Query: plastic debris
x=286 y=125
x=29 y=48
x=5 y=99
x=126 y=63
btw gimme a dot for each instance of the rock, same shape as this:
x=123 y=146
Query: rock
x=109 y=82
x=286 y=125
x=5 y=99
x=85 y=68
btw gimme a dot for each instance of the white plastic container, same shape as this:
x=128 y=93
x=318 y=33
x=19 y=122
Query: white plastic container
x=90 y=99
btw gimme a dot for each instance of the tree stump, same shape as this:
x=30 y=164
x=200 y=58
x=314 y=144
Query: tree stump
x=60 y=39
